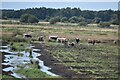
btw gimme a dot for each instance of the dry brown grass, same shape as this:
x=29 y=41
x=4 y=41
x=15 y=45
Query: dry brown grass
x=69 y=32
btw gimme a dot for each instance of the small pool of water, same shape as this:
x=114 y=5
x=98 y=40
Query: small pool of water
x=15 y=59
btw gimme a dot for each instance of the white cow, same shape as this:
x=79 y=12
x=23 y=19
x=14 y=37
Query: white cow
x=61 y=40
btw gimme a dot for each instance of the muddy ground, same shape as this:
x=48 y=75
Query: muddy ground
x=55 y=65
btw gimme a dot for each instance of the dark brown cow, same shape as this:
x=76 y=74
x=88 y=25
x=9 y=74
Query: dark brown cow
x=40 y=38
x=91 y=41
x=97 y=41
x=27 y=36
x=53 y=38
x=66 y=43
x=72 y=44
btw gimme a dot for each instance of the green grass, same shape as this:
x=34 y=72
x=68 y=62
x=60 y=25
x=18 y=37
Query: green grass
x=19 y=46
x=32 y=73
x=99 y=60
x=6 y=76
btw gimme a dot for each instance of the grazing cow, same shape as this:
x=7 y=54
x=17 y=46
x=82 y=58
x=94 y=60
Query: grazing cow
x=66 y=43
x=40 y=38
x=51 y=38
x=91 y=41
x=115 y=41
x=27 y=36
x=72 y=44
x=77 y=40
x=97 y=41
x=61 y=40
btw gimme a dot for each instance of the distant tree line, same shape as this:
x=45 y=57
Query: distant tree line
x=73 y=15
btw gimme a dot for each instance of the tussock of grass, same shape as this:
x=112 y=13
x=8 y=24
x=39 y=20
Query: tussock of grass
x=19 y=46
x=6 y=76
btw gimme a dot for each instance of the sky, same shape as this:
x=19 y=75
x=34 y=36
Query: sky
x=82 y=5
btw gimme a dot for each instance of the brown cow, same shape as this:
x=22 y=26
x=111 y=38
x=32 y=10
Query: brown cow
x=97 y=41
x=40 y=38
x=91 y=41
x=72 y=44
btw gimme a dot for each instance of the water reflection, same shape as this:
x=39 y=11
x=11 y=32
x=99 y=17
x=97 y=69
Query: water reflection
x=15 y=59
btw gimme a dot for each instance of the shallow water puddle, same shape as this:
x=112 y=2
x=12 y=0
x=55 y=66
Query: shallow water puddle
x=15 y=59
x=8 y=69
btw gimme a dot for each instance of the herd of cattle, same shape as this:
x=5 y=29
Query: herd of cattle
x=65 y=41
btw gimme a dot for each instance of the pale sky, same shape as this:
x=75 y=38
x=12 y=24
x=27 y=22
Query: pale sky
x=82 y=5
x=59 y=0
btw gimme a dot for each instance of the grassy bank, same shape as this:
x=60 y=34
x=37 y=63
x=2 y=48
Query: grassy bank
x=33 y=72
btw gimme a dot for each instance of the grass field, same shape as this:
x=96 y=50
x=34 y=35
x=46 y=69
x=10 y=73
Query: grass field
x=100 y=60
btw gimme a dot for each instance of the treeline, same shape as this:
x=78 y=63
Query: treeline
x=73 y=15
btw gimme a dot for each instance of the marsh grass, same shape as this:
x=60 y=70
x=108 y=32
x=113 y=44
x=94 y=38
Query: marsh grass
x=6 y=76
x=99 y=60
x=32 y=72
x=19 y=46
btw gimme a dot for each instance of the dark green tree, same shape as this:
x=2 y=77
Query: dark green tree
x=74 y=19
x=43 y=13
x=104 y=24
x=54 y=20
x=96 y=20
x=28 y=18
x=83 y=23
x=4 y=17
x=80 y=19
x=64 y=19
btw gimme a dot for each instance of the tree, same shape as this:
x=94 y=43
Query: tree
x=74 y=19
x=80 y=19
x=4 y=17
x=28 y=18
x=96 y=20
x=54 y=20
x=64 y=19
x=114 y=19
x=43 y=13
x=83 y=23
x=115 y=22
x=104 y=24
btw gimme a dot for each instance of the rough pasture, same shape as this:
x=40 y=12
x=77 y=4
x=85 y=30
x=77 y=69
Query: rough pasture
x=100 y=60
x=69 y=32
